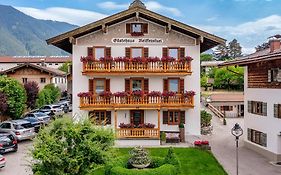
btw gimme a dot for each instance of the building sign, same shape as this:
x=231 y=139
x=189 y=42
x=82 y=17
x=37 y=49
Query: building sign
x=137 y=40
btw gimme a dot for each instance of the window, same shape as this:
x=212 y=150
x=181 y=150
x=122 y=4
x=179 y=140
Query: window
x=174 y=85
x=50 y=64
x=136 y=28
x=226 y=108
x=24 y=80
x=136 y=52
x=136 y=84
x=174 y=117
x=100 y=117
x=257 y=107
x=43 y=80
x=257 y=137
x=274 y=75
x=277 y=110
x=99 y=53
x=100 y=85
x=56 y=64
x=173 y=52
x=5 y=125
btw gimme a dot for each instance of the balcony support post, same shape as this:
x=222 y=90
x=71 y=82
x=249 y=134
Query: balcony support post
x=115 y=119
x=158 y=111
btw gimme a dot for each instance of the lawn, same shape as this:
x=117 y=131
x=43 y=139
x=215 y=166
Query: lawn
x=193 y=161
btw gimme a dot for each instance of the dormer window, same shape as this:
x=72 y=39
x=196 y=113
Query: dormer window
x=137 y=29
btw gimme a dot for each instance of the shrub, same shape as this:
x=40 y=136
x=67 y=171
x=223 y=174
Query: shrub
x=156 y=162
x=54 y=92
x=44 y=98
x=162 y=170
x=139 y=156
x=32 y=90
x=16 y=96
x=3 y=103
x=171 y=158
x=65 y=147
x=163 y=136
x=205 y=118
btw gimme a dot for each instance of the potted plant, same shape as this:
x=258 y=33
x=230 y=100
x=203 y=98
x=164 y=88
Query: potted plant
x=182 y=132
x=162 y=138
x=139 y=158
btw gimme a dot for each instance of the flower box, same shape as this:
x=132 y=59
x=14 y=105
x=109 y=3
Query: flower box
x=85 y=94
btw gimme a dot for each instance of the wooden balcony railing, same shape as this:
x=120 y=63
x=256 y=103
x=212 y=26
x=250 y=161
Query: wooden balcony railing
x=97 y=102
x=137 y=133
x=135 y=68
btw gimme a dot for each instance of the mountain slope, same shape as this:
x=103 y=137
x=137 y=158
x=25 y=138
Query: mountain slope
x=21 y=34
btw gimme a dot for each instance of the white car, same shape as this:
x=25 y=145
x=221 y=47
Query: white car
x=52 y=110
x=2 y=161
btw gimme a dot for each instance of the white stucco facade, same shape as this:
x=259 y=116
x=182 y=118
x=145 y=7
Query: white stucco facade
x=268 y=124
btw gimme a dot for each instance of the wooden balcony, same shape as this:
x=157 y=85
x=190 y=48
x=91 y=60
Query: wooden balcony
x=173 y=68
x=97 y=102
x=137 y=133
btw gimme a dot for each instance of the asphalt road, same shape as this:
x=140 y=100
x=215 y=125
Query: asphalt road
x=17 y=163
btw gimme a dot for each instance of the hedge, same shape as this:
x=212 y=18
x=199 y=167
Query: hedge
x=166 y=169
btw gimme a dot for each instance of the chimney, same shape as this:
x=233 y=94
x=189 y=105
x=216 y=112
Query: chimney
x=274 y=43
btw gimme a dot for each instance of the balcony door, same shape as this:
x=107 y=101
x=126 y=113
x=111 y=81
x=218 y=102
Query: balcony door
x=137 y=117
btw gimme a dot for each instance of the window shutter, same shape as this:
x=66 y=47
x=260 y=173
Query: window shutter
x=90 y=51
x=146 y=85
x=107 y=84
x=131 y=117
x=263 y=139
x=108 y=51
x=128 y=52
x=249 y=134
x=250 y=106
x=91 y=85
x=127 y=85
x=165 y=85
x=165 y=117
x=145 y=52
x=182 y=117
x=128 y=28
x=165 y=52
x=264 y=109
x=145 y=28
x=108 y=117
x=182 y=52
x=276 y=110
x=181 y=85
x=269 y=75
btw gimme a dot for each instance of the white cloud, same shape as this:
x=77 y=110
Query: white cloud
x=151 y=5
x=249 y=34
x=69 y=15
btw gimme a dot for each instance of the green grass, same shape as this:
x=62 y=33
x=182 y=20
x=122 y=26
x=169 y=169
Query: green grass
x=193 y=161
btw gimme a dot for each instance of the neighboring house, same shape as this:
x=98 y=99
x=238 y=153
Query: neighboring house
x=69 y=82
x=136 y=38
x=262 y=98
x=229 y=103
x=40 y=74
x=7 y=62
x=206 y=66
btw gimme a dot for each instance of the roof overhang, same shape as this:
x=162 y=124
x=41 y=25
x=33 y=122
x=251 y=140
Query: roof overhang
x=64 y=41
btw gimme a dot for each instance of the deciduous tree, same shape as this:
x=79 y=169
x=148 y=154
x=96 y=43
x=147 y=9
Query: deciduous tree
x=32 y=90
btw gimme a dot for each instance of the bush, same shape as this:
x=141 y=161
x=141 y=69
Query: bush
x=162 y=170
x=44 y=98
x=32 y=90
x=205 y=118
x=3 y=103
x=54 y=92
x=156 y=162
x=171 y=158
x=65 y=147
x=16 y=96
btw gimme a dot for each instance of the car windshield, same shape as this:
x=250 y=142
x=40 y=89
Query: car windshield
x=40 y=114
x=5 y=138
x=56 y=106
x=23 y=126
x=31 y=119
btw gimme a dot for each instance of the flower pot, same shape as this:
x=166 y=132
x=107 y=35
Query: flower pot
x=140 y=166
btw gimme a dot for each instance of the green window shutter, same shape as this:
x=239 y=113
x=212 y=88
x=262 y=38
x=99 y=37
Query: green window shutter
x=250 y=106
x=264 y=109
x=182 y=117
x=276 y=110
x=108 y=117
x=165 y=117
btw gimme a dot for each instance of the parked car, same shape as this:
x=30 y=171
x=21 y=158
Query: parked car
x=52 y=110
x=65 y=105
x=35 y=123
x=8 y=143
x=22 y=129
x=43 y=118
x=2 y=161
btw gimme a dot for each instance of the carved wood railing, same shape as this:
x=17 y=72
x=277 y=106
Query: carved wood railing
x=135 y=67
x=137 y=133
x=96 y=101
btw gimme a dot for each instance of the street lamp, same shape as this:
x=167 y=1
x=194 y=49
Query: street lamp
x=237 y=131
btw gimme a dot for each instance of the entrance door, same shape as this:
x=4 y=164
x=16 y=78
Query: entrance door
x=137 y=117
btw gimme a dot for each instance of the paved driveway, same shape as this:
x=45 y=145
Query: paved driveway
x=17 y=163
x=223 y=147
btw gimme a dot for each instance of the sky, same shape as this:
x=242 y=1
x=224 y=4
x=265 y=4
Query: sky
x=251 y=22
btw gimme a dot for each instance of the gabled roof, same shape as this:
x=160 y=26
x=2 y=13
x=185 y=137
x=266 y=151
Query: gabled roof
x=54 y=72
x=35 y=59
x=136 y=8
x=263 y=55
x=227 y=97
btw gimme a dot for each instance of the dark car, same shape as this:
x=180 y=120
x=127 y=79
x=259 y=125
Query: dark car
x=8 y=143
x=34 y=122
